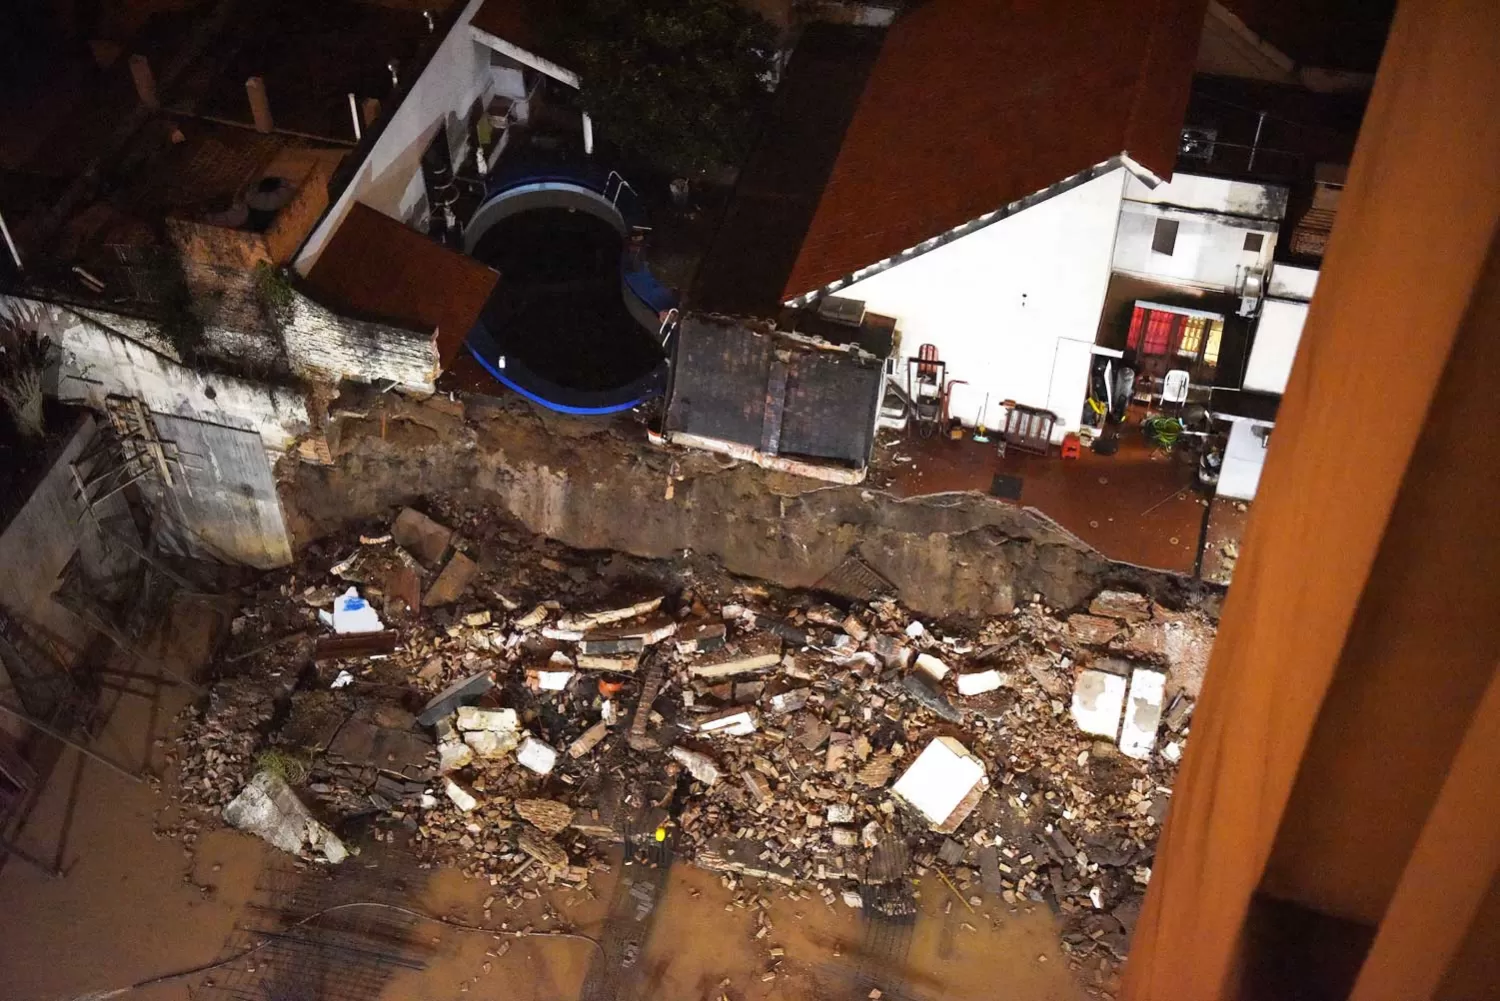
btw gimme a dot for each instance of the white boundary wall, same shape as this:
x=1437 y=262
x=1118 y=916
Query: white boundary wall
x=1012 y=308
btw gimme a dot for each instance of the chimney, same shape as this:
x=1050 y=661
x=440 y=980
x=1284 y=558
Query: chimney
x=145 y=81
x=260 y=107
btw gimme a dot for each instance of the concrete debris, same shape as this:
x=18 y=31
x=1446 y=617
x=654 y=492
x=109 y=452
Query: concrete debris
x=1098 y=698
x=540 y=757
x=626 y=664
x=454 y=755
x=733 y=722
x=546 y=851
x=979 y=682
x=448 y=701
x=452 y=582
x=758 y=786
x=1092 y=630
x=878 y=772
x=758 y=653
x=546 y=815
x=940 y=781
x=789 y=701
x=1125 y=605
x=700 y=766
x=931 y=666
x=268 y=808
x=552 y=728
x=704 y=637
x=421 y=536
x=593 y=620
x=588 y=740
x=553 y=681
x=353 y=614
x=930 y=698
x=496 y=720
x=461 y=797
x=533 y=618
x=1142 y=713
x=491 y=745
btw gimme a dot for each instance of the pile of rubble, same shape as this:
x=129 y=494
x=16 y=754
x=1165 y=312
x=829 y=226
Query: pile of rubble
x=515 y=709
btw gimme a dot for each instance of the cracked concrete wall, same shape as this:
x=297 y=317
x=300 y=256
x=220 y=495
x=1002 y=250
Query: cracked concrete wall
x=600 y=486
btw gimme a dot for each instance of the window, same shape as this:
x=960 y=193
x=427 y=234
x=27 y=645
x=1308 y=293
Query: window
x=1162 y=332
x=1192 y=336
x=1211 y=351
x=1253 y=242
x=1164 y=240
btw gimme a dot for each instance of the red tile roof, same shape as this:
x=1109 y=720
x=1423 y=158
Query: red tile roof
x=974 y=104
x=376 y=268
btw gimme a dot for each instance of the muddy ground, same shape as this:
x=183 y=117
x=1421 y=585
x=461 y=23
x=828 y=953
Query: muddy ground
x=133 y=904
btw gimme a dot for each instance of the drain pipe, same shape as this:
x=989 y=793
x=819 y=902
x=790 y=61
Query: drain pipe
x=442 y=192
x=15 y=254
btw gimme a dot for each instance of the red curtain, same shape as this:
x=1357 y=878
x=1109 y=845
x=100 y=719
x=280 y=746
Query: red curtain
x=1153 y=331
x=1159 y=329
x=1137 y=326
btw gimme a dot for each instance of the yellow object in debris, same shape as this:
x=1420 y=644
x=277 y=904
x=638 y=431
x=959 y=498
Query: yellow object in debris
x=661 y=834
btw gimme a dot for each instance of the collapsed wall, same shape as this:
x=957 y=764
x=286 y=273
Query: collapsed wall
x=596 y=485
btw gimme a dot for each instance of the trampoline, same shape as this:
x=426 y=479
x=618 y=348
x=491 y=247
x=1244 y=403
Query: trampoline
x=573 y=323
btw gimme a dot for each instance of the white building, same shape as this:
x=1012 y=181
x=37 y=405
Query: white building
x=987 y=219
x=1251 y=410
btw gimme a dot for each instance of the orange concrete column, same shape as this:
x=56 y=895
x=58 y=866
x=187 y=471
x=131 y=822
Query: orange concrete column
x=260 y=105
x=145 y=81
x=1360 y=636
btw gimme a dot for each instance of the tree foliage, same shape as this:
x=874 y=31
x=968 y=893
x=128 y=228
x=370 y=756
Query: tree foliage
x=678 y=82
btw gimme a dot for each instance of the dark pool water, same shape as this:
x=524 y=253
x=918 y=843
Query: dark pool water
x=558 y=305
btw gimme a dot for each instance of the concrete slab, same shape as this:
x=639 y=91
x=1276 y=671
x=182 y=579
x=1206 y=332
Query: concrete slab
x=450 y=585
x=942 y=778
x=1098 y=697
x=1142 y=713
x=421 y=536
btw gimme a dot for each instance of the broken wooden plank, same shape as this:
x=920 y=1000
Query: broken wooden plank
x=591 y=620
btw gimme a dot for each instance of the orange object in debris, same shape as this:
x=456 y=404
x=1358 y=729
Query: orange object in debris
x=609 y=689
x=1071 y=446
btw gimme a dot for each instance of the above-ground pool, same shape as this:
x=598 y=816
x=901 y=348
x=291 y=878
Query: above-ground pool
x=571 y=324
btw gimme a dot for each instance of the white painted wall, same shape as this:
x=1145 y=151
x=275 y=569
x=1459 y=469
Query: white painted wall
x=1210 y=251
x=997 y=302
x=102 y=358
x=1290 y=282
x=390 y=179
x=1244 y=455
x=1212 y=194
x=1277 y=334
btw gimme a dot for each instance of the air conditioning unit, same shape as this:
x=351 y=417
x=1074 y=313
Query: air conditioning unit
x=1197 y=143
x=1251 y=290
x=849 y=312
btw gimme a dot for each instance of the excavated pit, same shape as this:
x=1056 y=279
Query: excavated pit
x=596 y=485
